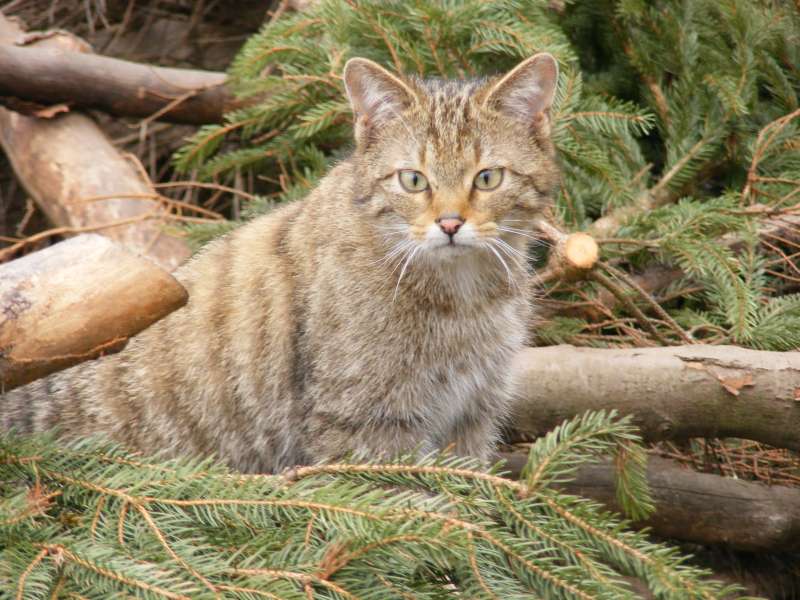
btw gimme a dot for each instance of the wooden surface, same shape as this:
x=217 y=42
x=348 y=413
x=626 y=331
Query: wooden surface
x=74 y=301
x=674 y=392
x=79 y=179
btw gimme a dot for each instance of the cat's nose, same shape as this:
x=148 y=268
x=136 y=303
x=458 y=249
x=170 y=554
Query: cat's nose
x=450 y=225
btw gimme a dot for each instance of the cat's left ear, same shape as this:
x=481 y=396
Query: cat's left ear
x=375 y=94
x=526 y=93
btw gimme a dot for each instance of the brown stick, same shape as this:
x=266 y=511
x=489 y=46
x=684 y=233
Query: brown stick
x=700 y=507
x=572 y=256
x=120 y=87
x=654 y=278
x=66 y=159
x=75 y=301
x=674 y=393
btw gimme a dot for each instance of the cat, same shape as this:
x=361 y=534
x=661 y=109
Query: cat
x=378 y=316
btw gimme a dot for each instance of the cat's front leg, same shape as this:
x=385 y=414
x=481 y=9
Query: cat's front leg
x=333 y=437
x=475 y=435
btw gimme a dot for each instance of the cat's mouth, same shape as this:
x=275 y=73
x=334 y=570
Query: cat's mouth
x=453 y=248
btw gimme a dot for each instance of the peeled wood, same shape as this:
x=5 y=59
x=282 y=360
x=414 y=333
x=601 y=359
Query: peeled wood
x=656 y=278
x=76 y=300
x=572 y=256
x=79 y=179
x=673 y=393
x=120 y=87
x=700 y=507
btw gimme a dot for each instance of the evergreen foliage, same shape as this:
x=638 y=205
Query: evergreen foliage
x=675 y=120
x=688 y=107
x=92 y=521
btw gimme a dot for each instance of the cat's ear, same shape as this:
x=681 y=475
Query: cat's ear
x=527 y=91
x=375 y=94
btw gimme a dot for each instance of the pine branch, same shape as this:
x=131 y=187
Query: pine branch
x=178 y=529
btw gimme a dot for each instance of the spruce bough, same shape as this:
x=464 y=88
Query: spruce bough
x=93 y=520
x=675 y=124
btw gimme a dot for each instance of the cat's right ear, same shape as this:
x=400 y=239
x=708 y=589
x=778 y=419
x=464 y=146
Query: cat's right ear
x=526 y=93
x=376 y=95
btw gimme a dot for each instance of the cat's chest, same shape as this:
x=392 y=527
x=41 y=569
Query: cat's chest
x=362 y=346
x=427 y=350
x=457 y=366
x=436 y=336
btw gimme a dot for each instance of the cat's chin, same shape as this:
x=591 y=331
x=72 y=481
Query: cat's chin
x=451 y=251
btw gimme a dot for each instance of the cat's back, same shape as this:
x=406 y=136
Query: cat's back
x=207 y=377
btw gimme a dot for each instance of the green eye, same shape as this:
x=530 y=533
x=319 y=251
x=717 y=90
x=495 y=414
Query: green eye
x=413 y=181
x=488 y=179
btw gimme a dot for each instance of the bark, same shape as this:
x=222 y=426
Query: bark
x=120 y=87
x=572 y=255
x=699 y=507
x=673 y=392
x=74 y=301
x=80 y=180
x=656 y=278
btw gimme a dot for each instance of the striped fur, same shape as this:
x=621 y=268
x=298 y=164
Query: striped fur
x=309 y=334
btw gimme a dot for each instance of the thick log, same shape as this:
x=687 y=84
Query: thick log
x=699 y=507
x=74 y=301
x=120 y=87
x=673 y=392
x=79 y=179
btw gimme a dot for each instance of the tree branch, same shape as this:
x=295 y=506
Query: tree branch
x=75 y=301
x=119 y=87
x=674 y=393
x=65 y=160
x=699 y=507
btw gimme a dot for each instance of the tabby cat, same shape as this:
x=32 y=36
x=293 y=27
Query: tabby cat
x=377 y=316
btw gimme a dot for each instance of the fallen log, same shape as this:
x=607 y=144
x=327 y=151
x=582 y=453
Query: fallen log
x=674 y=392
x=119 y=87
x=699 y=507
x=78 y=177
x=76 y=300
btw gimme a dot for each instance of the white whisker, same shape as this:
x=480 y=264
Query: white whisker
x=406 y=251
x=502 y=262
x=403 y=271
x=518 y=257
x=526 y=234
x=503 y=245
x=396 y=250
x=536 y=240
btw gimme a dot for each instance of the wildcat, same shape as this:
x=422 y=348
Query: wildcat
x=378 y=316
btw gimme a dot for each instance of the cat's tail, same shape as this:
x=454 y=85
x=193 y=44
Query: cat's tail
x=44 y=404
x=20 y=408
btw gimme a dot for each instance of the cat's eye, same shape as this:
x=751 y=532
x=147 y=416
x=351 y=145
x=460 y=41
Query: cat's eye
x=413 y=181
x=488 y=179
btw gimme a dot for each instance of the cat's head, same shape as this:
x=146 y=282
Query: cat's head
x=451 y=167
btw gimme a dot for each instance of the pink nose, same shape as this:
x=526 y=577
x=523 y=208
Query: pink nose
x=451 y=225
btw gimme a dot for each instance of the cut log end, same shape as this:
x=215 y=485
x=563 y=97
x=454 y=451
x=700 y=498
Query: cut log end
x=75 y=301
x=573 y=254
x=581 y=251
